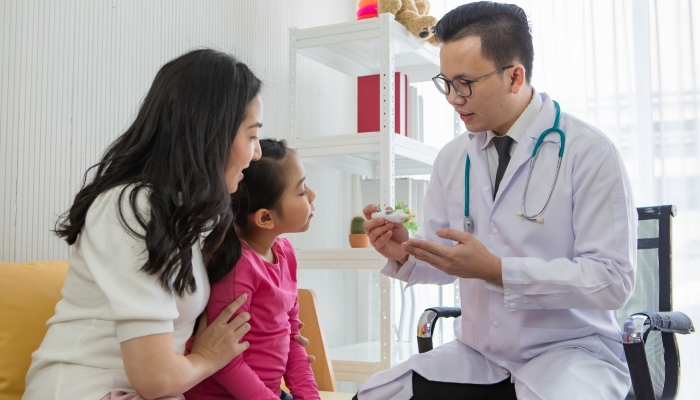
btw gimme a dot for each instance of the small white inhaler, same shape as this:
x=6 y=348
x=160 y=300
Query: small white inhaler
x=395 y=216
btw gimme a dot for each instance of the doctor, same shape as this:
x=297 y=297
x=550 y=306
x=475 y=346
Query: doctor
x=538 y=295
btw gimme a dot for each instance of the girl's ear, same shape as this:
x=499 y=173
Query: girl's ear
x=264 y=218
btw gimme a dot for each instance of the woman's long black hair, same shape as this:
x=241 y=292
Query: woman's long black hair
x=177 y=150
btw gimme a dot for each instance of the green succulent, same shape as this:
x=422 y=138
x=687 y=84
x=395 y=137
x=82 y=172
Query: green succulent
x=357 y=225
x=411 y=224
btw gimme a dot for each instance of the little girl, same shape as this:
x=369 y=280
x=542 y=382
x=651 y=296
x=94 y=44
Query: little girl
x=273 y=199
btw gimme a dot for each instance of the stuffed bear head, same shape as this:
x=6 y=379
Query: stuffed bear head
x=413 y=14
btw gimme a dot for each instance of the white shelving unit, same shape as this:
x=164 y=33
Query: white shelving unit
x=374 y=46
x=359 y=154
x=340 y=259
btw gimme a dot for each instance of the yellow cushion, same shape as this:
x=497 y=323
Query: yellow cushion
x=28 y=294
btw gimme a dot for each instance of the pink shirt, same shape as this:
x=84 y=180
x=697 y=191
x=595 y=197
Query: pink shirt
x=274 y=321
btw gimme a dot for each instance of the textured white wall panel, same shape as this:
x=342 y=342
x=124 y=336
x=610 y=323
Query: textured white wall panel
x=73 y=74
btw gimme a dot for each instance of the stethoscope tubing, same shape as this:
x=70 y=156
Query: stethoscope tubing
x=527 y=186
x=533 y=159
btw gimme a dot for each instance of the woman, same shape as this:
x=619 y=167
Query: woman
x=143 y=232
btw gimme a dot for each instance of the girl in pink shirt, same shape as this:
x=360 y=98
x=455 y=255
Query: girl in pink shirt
x=272 y=199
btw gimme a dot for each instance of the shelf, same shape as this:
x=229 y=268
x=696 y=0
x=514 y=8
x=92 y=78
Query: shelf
x=356 y=362
x=340 y=259
x=358 y=153
x=374 y=46
x=353 y=48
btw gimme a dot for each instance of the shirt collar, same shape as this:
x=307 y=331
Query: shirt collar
x=516 y=131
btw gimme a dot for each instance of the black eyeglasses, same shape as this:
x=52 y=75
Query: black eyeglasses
x=463 y=87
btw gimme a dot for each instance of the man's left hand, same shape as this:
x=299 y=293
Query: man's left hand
x=468 y=259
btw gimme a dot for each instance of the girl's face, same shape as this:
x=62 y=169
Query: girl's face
x=297 y=200
x=246 y=147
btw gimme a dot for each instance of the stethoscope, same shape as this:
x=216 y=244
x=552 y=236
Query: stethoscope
x=468 y=224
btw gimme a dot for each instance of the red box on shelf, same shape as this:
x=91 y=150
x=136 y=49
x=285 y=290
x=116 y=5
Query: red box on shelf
x=368 y=103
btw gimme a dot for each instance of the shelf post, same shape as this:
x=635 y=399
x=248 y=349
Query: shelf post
x=292 y=89
x=386 y=173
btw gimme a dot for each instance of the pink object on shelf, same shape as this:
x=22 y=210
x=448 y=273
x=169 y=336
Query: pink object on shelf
x=370 y=9
x=367 y=16
x=369 y=104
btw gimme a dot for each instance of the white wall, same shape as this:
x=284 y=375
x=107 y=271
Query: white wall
x=72 y=76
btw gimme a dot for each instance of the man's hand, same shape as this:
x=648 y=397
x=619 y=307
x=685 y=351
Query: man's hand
x=468 y=259
x=386 y=237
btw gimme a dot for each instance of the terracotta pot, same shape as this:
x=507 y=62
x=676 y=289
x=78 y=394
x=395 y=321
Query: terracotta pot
x=358 y=240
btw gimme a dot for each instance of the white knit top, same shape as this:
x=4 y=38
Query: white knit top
x=108 y=300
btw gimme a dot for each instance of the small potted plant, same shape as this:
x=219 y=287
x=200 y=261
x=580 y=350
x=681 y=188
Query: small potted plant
x=411 y=224
x=358 y=236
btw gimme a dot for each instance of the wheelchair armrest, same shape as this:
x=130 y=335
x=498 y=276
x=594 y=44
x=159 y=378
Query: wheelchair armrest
x=426 y=324
x=638 y=325
x=634 y=336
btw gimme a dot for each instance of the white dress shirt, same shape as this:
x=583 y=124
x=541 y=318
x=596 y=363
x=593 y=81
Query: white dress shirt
x=515 y=132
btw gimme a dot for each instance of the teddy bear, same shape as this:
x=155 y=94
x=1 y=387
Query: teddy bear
x=413 y=14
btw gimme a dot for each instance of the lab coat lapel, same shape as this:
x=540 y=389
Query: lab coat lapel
x=480 y=166
x=523 y=152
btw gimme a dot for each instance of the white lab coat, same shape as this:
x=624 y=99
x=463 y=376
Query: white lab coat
x=561 y=278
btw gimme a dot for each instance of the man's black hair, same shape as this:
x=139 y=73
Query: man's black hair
x=503 y=28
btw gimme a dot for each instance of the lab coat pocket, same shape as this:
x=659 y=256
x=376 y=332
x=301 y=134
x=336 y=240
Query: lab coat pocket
x=622 y=207
x=536 y=341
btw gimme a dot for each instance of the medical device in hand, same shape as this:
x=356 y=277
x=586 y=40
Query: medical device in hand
x=395 y=216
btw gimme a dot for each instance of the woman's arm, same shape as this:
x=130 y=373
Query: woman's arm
x=155 y=370
x=142 y=310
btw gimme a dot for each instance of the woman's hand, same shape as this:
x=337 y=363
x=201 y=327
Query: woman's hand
x=303 y=342
x=155 y=370
x=220 y=342
x=386 y=237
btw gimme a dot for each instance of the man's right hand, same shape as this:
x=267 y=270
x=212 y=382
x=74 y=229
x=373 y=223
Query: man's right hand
x=386 y=237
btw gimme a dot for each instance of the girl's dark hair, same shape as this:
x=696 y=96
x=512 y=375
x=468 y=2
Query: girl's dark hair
x=263 y=186
x=177 y=150
x=503 y=29
x=264 y=181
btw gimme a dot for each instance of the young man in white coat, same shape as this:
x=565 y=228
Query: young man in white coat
x=538 y=295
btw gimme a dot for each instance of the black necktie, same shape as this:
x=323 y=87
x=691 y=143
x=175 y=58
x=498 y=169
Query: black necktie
x=502 y=144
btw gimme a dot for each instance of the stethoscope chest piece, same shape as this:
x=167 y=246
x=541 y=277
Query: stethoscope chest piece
x=468 y=224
